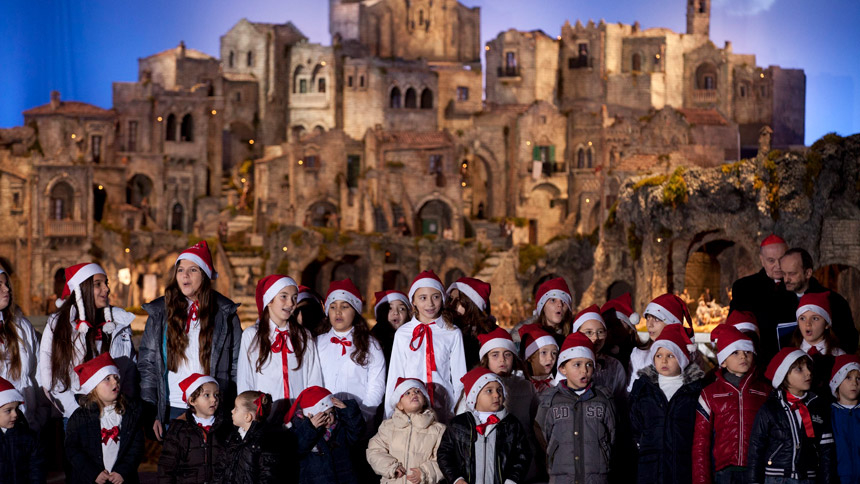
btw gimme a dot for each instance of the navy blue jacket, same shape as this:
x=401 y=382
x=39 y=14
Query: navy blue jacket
x=21 y=459
x=328 y=461
x=846 y=432
x=663 y=429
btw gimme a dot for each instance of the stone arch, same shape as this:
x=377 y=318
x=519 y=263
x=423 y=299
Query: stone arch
x=318 y=129
x=394 y=98
x=170 y=128
x=619 y=288
x=410 y=99
x=451 y=276
x=714 y=261
x=138 y=190
x=552 y=190
x=706 y=76
x=177 y=217
x=186 y=131
x=321 y=214
x=434 y=217
x=299 y=74
x=62 y=199
x=580 y=157
x=320 y=73
x=426 y=98
x=481 y=180
x=298 y=131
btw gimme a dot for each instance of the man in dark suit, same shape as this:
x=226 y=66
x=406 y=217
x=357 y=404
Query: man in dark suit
x=796 y=265
x=764 y=294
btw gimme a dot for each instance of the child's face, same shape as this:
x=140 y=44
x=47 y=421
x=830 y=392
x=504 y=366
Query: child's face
x=283 y=305
x=411 y=402
x=428 y=302
x=242 y=418
x=500 y=361
x=5 y=291
x=107 y=390
x=578 y=372
x=206 y=403
x=101 y=290
x=655 y=326
x=596 y=332
x=189 y=276
x=739 y=362
x=491 y=398
x=666 y=363
x=553 y=311
x=799 y=379
x=543 y=360
x=341 y=314
x=848 y=391
x=398 y=314
x=9 y=415
x=812 y=327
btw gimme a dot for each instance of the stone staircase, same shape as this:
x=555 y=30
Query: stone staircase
x=239 y=223
x=247 y=269
x=489 y=234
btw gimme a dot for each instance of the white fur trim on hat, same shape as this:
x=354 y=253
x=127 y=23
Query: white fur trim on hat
x=479 y=384
x=9 y=396
x=404 y=387
x=97 y=377
x=426 y=282
x=837 y=379
x=470 y=293
x=389 y=298
x=815 y=309
x=741 y=344
x=341 y=295
x=574 y=352
x=585 y=318
x=782 y=369
x=199 y=382
x=84 y=273
x=210 y=273
x=632 y=320
x=324 y=404
x=276 y=287
x=504 y=343
x=680 y=354
x=661 y=313
x=751 y=327
x=539 y=343
x=554 y=293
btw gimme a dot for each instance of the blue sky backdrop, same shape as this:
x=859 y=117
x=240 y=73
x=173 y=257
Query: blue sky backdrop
x=80 y=47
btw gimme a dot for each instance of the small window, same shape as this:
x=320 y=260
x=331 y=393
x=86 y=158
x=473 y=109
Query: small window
x=763 y=91
x=580 y=158
x=132 y=136
x=590 y=156
x=394 y=100
x=232 y=59
x=187 y=129
x=411 y=101
x=435 y=164
x=238 y=96
x=176 y=222
x=353 y=170
x=16 y=201
x=361 y=81
x=250 y=58
x=637 y=62
x=311 y=161
x=743 y=91
x=462 y=93
x=303 y=86
x=170 y=128
x=710 y=83
x=349 y=81
x=321 y=85
x=657 y=58
x=582 y=49
x=510 y=64
x=61 y=201
x=426 y=99
x=96 y=142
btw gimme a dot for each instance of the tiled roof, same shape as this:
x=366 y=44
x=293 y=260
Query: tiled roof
x=414 y=138
x=70 y=108
x=189 y=53
x=710 y=117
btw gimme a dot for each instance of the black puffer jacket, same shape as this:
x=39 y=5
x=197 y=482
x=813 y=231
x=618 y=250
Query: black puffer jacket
x=779 y=446
x=663 y=429
x=21 y=459
x=456 y=454
x=258 y=458
x=84 y=444
x=328 y=461
x=188 y=454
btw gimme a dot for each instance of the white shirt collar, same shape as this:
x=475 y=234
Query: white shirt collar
x=204 y=421
x=821 y=346
x=343 y=334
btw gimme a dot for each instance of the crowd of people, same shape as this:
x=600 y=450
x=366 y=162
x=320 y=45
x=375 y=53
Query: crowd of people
x=435 y=391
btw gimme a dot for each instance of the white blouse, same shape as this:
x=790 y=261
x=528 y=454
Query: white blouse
x=28 y=381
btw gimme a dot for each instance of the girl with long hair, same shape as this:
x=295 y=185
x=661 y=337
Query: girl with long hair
x=191 y=329
x=85 y=327
x=278 y=356
x=469 y=301
x=392 y=310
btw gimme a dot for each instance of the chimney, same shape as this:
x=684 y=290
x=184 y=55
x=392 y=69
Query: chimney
x=181 y=49
x=55 y=100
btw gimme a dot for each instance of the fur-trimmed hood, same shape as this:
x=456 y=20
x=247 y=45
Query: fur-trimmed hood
x=691 y=373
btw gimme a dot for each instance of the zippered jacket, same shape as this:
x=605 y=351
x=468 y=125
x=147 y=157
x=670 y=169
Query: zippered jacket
x=407 y=441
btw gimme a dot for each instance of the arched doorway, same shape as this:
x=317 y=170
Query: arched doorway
x=138 y=193
x=312 y=276
x=846 y=281
x=394 y=281
x=177 y=217
x=480 y=181
x=434 y=218
x=712 y=268
x=62 y=201
x=619 y=288
x=322 y=214
x=99 y=199
x=706 y=77
x=452 y=275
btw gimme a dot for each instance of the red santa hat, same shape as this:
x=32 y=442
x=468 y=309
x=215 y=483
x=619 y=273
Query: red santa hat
x=534 y=338
x=200 y=255
x=269 y=287
x=8 y=393
x=311 y=401
x=553 y=288
x=426 y=279
x=743 y=321
x=728 y=340
x=474 y=381
x=384 y=297
x=92 y=372
x=590 y=313
x=343 y=290
x=75 y=276
x=623 y=307
x=306 y=293
x=403 y=385
x=772 y=239
x=497 y=338
x=675 y=339
x=779 y=364
x=192 y=383
x=843 y=365
x=476 y=290
x=817 y=302
x=670 y=309
x=576 y=345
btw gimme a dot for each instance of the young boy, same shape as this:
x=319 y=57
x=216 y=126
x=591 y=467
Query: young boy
x=576 y=419
x=485 y=445
x=21 y=457
x=727 y=409
x=791 y=438
x=845 y=385
x=663 y=409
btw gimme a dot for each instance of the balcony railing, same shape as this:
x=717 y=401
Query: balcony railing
x=704 y=95
x=65 y=228
x=508 y=71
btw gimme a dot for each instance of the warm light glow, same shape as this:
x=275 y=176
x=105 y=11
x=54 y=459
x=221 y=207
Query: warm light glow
x=214 y=112
x=101 y=187
x=659 y=239
x=243 y=180
x=74 y=136
x=587 y=200
x=463 y=184
x=589 y=143
x=301 y=162
x=762 y=75
x=657 y=56
x=127 y=250
x=487 y=48
x=284 y=248
x=159 y=119
x=528 y=143
x=559 y=37
x=322 y=63
x=465 y=165
x=250 y=141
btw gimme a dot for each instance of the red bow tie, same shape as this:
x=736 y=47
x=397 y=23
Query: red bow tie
x=193 y=313
x=281 y=344
x=421 y=332
x=98 y=331
x=343 y=342
x=111 y=433
x=796 y=403
x=812 y=351
x=491 y=420
x=205 y=430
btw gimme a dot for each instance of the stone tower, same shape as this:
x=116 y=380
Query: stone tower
x=343 y=18
x=699 y=17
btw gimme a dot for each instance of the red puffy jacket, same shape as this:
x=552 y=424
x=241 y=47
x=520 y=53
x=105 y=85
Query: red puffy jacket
x=723 y=423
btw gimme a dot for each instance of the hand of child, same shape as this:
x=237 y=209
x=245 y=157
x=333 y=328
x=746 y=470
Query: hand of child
x=102 y=477
x=414 y=475
x=399 y=472
x=319 y=419
x=115 y=478
x=158 y=429
x=337 y=403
